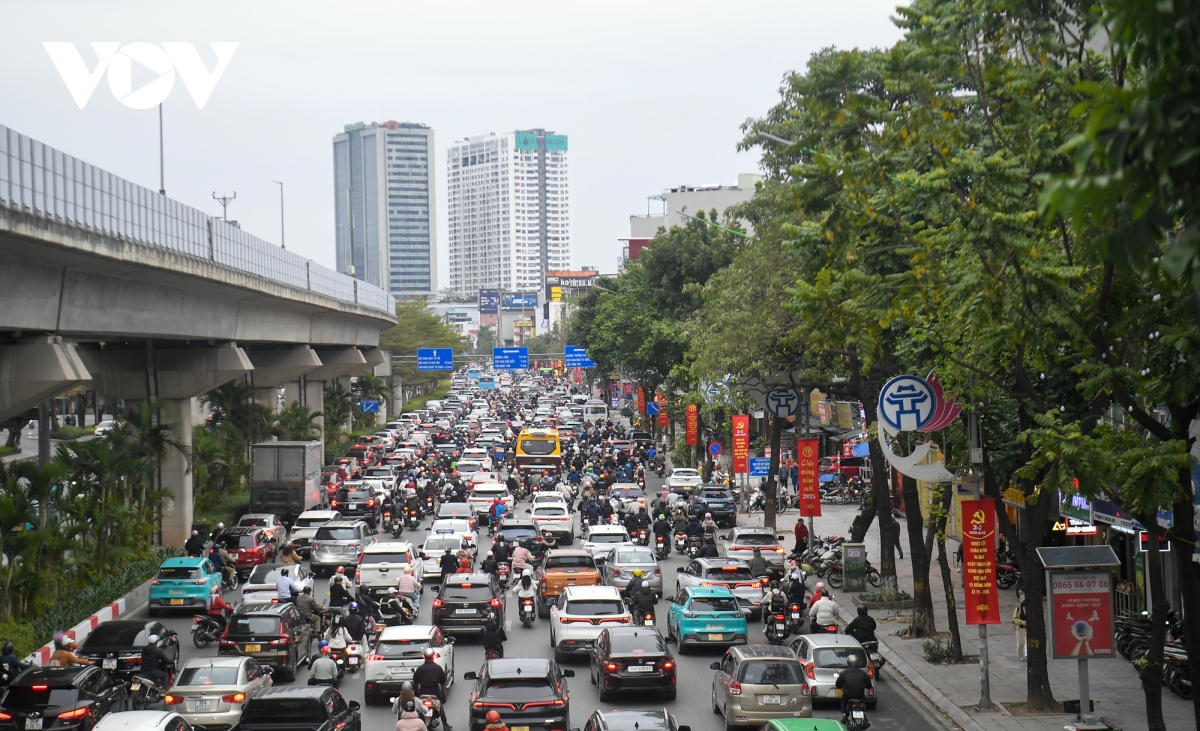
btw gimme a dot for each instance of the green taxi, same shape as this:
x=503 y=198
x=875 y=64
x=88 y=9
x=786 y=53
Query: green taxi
x=803 y=724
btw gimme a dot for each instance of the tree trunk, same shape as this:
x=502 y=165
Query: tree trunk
x=1151 y=673
x=947 y=505
x=770 y=489
x=862 y=523
x=880 y=492
x=1183 y=543
x=923 y=624
x=1039 y=694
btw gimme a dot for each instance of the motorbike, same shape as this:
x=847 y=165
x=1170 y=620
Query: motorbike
x=528 y=612
x=230 y=580
x=663 y=550
x=643 y=537
x=776 y=629
x=856 y=715
x=349 y=658
x=872 y=649
x=816 y=629
x=758 y=501
x=693 y=548
x=833 y=574
x=412 y=521
x=143 y=692
x=1007 y=575
x=680 y=542
x=395 y=525
x=205 y=630
x=502 y=573
x=644 y=619
x=795 y=618
x=433 y=707
x=429 y=504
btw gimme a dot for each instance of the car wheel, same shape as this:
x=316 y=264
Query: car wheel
x=543 y=611
x=871 y=704
x=605 y=696
x=730 y=727
x=671 y=694
x=715 y=708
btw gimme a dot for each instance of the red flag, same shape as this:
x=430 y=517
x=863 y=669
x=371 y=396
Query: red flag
x=982 y=599
x=693 y=424
x=741 y=444
x=808 y=465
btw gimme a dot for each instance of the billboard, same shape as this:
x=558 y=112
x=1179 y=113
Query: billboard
x=518 y=301
x=741 y=444
x=1081 y=616
x=489 y=301
x=692 y=420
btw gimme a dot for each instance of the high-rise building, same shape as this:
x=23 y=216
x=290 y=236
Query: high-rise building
x=509 y=210
x=384 y=198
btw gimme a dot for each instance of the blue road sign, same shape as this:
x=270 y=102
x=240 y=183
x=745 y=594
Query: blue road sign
x=576 y=357
x=510 y=358
x=760 y=466
x=368 y=407
x=714 y=449
x=616 y=401
x=651 y=408
x=435 y=359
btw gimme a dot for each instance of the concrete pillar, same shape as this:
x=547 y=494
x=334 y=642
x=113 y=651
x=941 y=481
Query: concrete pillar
x=37 y=369
x=269 y=397
x=314 y=400
x=345 y=381
x=178 y=415
x=292 y=393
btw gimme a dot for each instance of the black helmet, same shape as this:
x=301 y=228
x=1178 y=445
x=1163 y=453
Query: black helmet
x=862 y=610
x=410 y=706
x=774 y=583
x=8 y=649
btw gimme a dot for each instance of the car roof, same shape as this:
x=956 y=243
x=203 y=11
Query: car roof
x=829 y=640
x=389 y=547
x=521 y=523
x=253 y=607
x=568 y=552
x=219 y=661
x=607 y=529
x=241 y=530
x=343 y=523
x=58 y=677
x=634 y=720
x=468 y=579
x=319 y=513
x=516 y=667
x=805 y=724
x=292 y=691
x=186 y=561
x=258 y=515
x=408 y=632
x=764 y=652
x=593 y=592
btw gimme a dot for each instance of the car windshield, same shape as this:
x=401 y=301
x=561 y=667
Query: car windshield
x=537 y=446
x=713 y=604
x=356 y=495
x=255 y=625
x=607 y=538
x=517 y=688
x=468 y=468
x=30 y=698
x=243 y=541
x=466 y=593
x=763 y=672
x=336 y=534
x=489 y=492
x=730 y=573
x=513 y=535
x=570 y=562
x=549 y=510
x=284 y=711
x=310 y=522
x=111 y=634
x=370 y=558
x=392 y=649
x=267 y=574
x=595 y=607
x=755 y=539
x=685 y=473
x=208 y=675
x=835 y=657
x=251 y=522
x=441 y=544
x=456 y=510
x=716 y=494
x=644 y=642
x=179 y=572
x=635 y=557
x=627 y=493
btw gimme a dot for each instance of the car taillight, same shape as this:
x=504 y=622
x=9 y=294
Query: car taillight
x=666 y=664
x=810 y=670
x=154 y=582
x=805 y=690
x=437 y=603
x=495 y=602
x=735 y=688
x=333 y=503
x=5 y=717
x=612 y=667
x=200 y=581
x=316 y=546
x=77 y=713
x=172 y=700
x=371 y=503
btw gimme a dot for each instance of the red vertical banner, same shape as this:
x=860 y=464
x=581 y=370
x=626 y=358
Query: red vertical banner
x=808 y=471
x=982 y=600
x=663 y=420
x=741 y=444
x=641 y=400
x=692 y=419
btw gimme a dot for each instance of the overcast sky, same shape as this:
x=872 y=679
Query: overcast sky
x=651 y=94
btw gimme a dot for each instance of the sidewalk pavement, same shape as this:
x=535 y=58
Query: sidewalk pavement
x=955 y=689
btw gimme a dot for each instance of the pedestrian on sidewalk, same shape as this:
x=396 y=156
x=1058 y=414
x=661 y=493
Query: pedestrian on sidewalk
x=1019 y=625
x=896 y=537
x=801 y=537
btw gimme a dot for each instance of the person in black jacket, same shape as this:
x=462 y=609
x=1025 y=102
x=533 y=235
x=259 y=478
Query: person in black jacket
x=448 y=564
x=862 y=627
x=854 y=682
x=354 y=623
x=430 y=679
x=644 y=600
x=709 y=549
x=493 y=636
x=194 y=546
x=155 y=663
x=10 y=666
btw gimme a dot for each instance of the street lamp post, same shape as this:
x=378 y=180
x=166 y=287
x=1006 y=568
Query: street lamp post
x=282 y=243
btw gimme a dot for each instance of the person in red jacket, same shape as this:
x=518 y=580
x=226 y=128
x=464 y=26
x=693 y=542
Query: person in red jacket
x=217 y=606
x=818 y=593
x=494 y=723
x=801 y=537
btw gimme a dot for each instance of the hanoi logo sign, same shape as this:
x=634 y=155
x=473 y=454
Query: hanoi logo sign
x=783 y=402
x=907 y=403
x=118 y=61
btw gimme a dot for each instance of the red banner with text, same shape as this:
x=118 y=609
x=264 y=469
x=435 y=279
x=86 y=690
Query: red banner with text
x=663 y=420
x=808 y=467
x=982 y=600
x=692 y=419
x=641 y=400
x=741 y=445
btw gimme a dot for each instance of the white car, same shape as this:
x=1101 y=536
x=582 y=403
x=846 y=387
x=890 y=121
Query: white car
x=683 y=479
x=476 y=454
x=481 y=477
x=482 y=496
x=381 y=564
x=142 y=721
x=262 y=579
x=456 y=527
x=581 y=614
x=551 y=496
x=306 y=526
x=554 y=517
x=397 y=653
x=106 y=426
x=469 y=466
x=600 y=538
x=271 y=523
x=431 y=555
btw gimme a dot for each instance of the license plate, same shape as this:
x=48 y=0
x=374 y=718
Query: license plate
x=354 y=661
x=253 y=648
x=176 y=602
x=837 y=692
x=464 y=611
x=203 y=705
x=135 y=687
x=770 y=700
x=352 y=506
x=779 y=626
x=33 y=724
x=640 y=668
x=716 y=637
x=858 y=714
x=110 y=663
x=518 y=728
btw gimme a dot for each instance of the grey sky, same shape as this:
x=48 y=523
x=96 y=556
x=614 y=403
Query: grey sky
x=651 y=94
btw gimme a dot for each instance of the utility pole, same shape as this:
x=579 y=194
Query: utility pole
x=162 y=179
x=282 y=243
x=975 y=437
x=224 y=200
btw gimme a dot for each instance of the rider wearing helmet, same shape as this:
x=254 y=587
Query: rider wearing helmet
x=709 y=525
x=853 y=682
x=773 y=602
x=494 y=723
x=155 y=663
x=493 y=636
x=709 y=548
x=635 y=583
x=340 y=590
x=410 y=720
x=10 y=666
x=430 y=679
x=862 y=627
x=323 y=670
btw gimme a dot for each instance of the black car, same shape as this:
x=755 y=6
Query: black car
x=358 y=504
x=116 y=646
x=529 y=692
x=304 y=708
x=463 y=603
x=273 y=634
x=648 y=720
x=516 y=531
x=60 y=699
x=716 y=499
x=641 y=438
x=632 y=659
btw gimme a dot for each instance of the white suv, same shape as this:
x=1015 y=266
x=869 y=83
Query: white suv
x=397 y=653
x=581 y=614
x=600 y=538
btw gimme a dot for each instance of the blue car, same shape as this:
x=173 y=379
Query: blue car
x=705 y=615
x=183 y=583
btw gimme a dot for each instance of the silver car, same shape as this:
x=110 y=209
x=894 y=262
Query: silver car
x=263 y=577
x=431 y=555
x=769 y=685
x=741 y=542
x=729 y=572
x=212 y=691
x=824 y=657
x=622 y=561
x=338 y=543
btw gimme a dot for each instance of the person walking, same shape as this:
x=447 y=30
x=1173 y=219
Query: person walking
x=896 y=538
x=801 y=531
x=1019 y=625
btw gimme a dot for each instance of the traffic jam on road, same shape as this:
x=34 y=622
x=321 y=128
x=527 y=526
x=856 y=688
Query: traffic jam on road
x=467 y=565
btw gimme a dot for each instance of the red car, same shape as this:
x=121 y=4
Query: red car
x=249 y=547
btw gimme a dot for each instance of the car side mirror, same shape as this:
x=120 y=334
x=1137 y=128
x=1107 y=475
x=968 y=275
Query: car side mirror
x=568 y=673
x=715 y=665
x=354 y=706
x=450 y=640
x=670 y=599
x=679 y=569
x=781 y=538
x=267 y=670
x=470 y=675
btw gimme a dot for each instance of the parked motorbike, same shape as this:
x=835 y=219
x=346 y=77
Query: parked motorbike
x=1007 y=575
x=776 y=629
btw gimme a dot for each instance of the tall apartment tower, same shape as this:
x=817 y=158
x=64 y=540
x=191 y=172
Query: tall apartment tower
x=509 y=215
x=384 y=198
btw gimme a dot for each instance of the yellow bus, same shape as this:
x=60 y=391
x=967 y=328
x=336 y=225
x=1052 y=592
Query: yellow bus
x=539 y=450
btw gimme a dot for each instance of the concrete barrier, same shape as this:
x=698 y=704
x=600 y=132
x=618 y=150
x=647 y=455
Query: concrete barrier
x=118 y=609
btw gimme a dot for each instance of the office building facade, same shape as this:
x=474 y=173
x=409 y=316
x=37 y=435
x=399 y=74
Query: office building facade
x=508 y=210
x=386 y=218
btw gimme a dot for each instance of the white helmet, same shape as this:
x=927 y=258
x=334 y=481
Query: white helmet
x=152 y=640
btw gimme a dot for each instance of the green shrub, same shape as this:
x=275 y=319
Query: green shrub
x=21 y=635
x=937 y=651
x=420 y=401
x=228 y=511
x=72 y=432
x=884 y=596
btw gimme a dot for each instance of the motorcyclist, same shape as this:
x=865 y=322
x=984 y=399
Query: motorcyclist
x=10 y=666
x=521 y=556
x=795 y=592
x=496 y=512
x=644 y=600
x=494 y=723
x=502 y=550
x=817 y=594
x=430 y=679
x=493 y=636
x=693 y=528
x=631 y=524
x=285 y=588
x=853 y=682
x=194 y=546
x=339 y=637
x=65 y=655
x=464 y=566
x=593 y=512
x=823 y=614
x=774 y=601
x=709 y=525
x=410 y=720
x=635 y=583
x=488 y=564
x=215 y=537
x=679 y=523
x=448 y=564
x=862 y=627
x=663 y=528
x=709 y=549
x=308 y=608
x=525 y=588
x=155 y=663
x=758 y=564
x=323 y=670
x=340 y=590
x=549 y=541
x=643 y=519
x=354 y=623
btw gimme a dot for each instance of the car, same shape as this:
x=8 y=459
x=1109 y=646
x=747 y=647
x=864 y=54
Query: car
x=741 y=542
x=212 y=691
x=479 y=478
x=656 y=719
x=642 y=439
x=716 y=499
x=464 y=601
x=461 y=511
x=63 y=699
x=338 y=543
x=479 y=455
x=104 y=427
x=824 y=656
x=146 y=721
x=461 y=529
x=381 y=564
x=552 y=497
x=271 y=524
x=430 y=555
x=262 y=580
x=598 y=539
x=561 y=568
x=808 y=724
x=555 y=517
x=705 y=615
x=356 y=501
x=305 y=528
x=116 y=645
x=580 y=614
x=484 y=494
x=756 y=683
x=620 y=563
x=627 y=658
x=535 y=685
x=273 y=634
x=516 y=531
x=302 y=708
x=731 y=573
x=183 y=582
x=249 y=547
x=682 y=480
x=629 y=496
x=397 y=653
x=470 y=467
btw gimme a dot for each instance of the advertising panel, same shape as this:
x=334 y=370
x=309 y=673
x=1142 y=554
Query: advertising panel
x=692 y=420
x=808 y=464
x=741 y=444
x=982 y=603
x=518 y=301
x=489 y=301
x=1081 y=616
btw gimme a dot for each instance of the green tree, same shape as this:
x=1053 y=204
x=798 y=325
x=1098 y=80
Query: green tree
x=297 y=424
x=417 y=327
